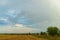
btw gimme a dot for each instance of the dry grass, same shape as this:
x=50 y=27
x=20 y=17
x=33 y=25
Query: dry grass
x=28 y=37
x=48 y=37
x=19 y=37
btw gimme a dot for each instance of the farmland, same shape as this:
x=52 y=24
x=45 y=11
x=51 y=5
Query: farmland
x=19 y=37
x=27 y=37
x=52 y=34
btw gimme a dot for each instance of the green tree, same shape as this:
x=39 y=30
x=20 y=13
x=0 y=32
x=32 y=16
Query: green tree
x=52 y=30
x=43 y=33
x=59 y=33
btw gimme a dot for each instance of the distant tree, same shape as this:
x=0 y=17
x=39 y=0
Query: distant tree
x=43 y=33
x=52 y=30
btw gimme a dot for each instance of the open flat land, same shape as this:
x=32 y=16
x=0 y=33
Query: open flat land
x=28 y=37
x=19 y=37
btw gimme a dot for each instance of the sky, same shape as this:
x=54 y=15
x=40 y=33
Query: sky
x=22 y=16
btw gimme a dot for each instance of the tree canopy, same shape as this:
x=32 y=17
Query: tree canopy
x=52 y=30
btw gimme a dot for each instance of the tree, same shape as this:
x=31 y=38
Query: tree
x=59 y=33
x=52 y=30
x=43 y=33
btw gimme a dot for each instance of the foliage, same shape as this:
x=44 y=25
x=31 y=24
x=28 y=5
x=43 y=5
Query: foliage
x=43 y=33
x=52 y=30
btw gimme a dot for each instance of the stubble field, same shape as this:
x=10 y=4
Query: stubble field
x=19 y=37
x=27 y=37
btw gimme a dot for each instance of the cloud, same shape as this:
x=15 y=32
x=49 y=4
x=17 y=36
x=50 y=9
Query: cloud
x=18 y=28
x=4 y=21
x=11 y=13
x=3 y=2
x=38 y=13
x=42 y=10
x=19 y=25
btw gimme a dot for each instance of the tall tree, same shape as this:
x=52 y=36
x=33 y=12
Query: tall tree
x=52 y=30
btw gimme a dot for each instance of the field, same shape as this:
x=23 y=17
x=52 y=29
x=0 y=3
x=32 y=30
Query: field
x=47 y=37
x=19 y=37
x=27 y=37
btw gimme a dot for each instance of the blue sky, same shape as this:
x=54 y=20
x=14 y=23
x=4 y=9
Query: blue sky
x=20 y=16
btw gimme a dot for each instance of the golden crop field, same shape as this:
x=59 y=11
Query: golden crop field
x=28 y=37
x=19 y=37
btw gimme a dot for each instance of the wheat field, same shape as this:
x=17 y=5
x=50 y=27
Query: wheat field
x=27 y=37
x=19 y=37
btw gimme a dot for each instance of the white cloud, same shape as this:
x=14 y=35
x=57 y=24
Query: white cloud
x=19 y=25
x=13 y=29
x=4 y=19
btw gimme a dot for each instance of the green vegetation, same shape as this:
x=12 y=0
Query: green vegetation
x=52 y=33
x=52 y=30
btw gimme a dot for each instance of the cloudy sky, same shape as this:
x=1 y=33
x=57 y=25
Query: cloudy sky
x=21 y=16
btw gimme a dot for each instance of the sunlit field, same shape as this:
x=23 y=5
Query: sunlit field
x=27 y=37
x=19 y=37
x=47 y=37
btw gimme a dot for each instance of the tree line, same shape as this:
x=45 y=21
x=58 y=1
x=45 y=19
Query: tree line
x=51 y=30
